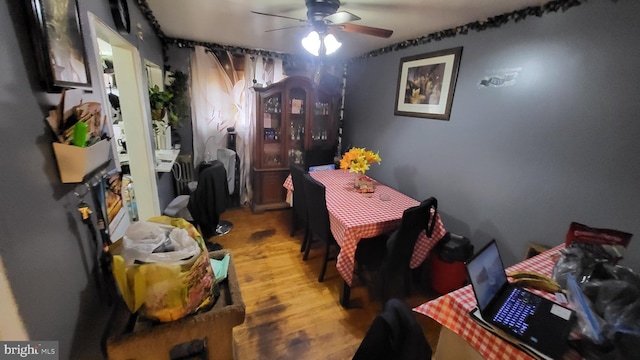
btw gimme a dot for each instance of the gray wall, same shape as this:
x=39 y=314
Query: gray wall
x=47 y=251
x=519 y=163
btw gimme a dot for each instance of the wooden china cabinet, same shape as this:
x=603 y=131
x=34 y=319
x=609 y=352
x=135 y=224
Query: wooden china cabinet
x=292 y=116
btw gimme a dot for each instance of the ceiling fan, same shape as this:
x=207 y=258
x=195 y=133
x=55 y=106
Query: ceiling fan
x=323 y=17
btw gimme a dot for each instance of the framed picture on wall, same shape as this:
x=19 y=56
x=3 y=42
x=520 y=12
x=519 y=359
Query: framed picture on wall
x=59 y=45
x=426 y=84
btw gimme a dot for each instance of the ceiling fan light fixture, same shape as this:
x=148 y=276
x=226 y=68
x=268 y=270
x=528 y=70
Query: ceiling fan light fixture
x=331 y=44
x=314 y=44
x=311 y=43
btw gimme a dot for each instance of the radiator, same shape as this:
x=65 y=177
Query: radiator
x=183 y=174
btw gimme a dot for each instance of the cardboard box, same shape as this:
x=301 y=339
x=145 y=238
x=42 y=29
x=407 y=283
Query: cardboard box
x=75 y=162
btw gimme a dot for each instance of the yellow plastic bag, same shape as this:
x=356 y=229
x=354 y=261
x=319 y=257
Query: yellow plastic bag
x=161 y=291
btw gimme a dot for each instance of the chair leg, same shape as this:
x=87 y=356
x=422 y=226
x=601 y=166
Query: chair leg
x=324 y=262
x=305 y=239
x=345 y=294
x=294 y=221
x=384 y=287
x=307 y=246
x=407 y=283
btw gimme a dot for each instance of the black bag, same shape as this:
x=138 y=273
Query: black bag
x=454 y=248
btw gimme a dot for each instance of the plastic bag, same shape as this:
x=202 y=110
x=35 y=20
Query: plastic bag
x=147 y=242
x=589 y=324
x=164 y=290
x=616 y=297
x=607 y=305
x=571 y=262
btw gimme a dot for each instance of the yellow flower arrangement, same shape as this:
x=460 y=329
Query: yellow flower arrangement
x=357 y=160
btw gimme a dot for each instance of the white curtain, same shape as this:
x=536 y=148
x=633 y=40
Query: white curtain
x=222 y=98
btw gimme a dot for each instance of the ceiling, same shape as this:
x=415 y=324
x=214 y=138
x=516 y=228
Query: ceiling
x=230 y=22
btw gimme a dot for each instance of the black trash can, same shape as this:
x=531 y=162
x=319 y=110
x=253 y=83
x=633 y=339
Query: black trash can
x=448 y=271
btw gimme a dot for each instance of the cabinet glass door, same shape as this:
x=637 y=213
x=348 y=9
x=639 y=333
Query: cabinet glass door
x=272 y=132
x=321 y=123
x=297 y=116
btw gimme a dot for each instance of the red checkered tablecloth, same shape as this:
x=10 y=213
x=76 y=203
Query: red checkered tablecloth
x=353 y=216
x=452 y=311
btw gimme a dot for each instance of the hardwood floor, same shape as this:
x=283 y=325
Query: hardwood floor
x=289 y=314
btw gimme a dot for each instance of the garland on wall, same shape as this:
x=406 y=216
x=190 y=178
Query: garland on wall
x=490 y=23
x=296 y=60
x=292 y=60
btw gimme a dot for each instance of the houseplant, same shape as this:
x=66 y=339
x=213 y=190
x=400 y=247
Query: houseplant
x=178 y=86
x=173 y=102
x=160 y=103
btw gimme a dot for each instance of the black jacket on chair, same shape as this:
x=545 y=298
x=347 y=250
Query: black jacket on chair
x=210 y=198
x=394 y=335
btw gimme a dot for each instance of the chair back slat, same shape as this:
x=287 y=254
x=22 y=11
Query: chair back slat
x=317 y=213
x=299 y=203
x=401 y=243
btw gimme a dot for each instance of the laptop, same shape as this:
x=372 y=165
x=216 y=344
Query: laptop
x=529 y=318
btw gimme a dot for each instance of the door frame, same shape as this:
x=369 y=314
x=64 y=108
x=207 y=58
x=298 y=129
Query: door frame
x=128 y=69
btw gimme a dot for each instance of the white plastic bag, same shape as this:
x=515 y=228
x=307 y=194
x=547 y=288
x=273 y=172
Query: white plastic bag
x=164 y=291
x=172 y=245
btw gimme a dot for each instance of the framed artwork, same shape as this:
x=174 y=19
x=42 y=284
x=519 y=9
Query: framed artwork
x=59 y=45
x=534 y=249
x=426 y=84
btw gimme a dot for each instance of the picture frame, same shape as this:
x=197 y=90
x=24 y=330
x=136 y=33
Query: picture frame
x=426 y=84
x=534 y=249
x=59 y=45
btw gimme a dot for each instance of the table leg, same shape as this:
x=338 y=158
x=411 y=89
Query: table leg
x=345 y=293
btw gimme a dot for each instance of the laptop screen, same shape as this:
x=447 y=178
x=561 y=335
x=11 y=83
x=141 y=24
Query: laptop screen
x=486 y=274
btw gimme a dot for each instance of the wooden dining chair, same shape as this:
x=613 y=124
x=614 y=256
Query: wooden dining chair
x=390 y=257
x=299 y=213
x=317 y=220
x=318 y=157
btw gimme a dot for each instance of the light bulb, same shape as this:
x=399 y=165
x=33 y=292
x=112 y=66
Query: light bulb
x=311 y=43
x=331 y=44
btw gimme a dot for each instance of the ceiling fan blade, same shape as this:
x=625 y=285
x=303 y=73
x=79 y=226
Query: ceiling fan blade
x=341 y=17
x=367 y=30
x=288 y=27
x=280 y=16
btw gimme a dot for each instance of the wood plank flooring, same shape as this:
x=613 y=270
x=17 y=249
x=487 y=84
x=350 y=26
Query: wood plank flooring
x=289 y=314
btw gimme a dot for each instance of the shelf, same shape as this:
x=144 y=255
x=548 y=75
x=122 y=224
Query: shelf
x=164 y=159
x=79 y=163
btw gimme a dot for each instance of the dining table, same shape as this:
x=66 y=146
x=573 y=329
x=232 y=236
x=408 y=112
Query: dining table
x=356 y=216
x=463 y=337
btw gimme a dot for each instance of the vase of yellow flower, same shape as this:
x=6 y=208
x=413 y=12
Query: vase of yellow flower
x=357 y=160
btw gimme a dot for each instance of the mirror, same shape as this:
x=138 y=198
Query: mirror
x=160 y=123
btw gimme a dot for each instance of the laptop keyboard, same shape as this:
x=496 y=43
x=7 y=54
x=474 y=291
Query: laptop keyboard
x=515 y=311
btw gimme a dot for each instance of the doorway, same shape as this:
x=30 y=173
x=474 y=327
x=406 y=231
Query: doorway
x=126 y=78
